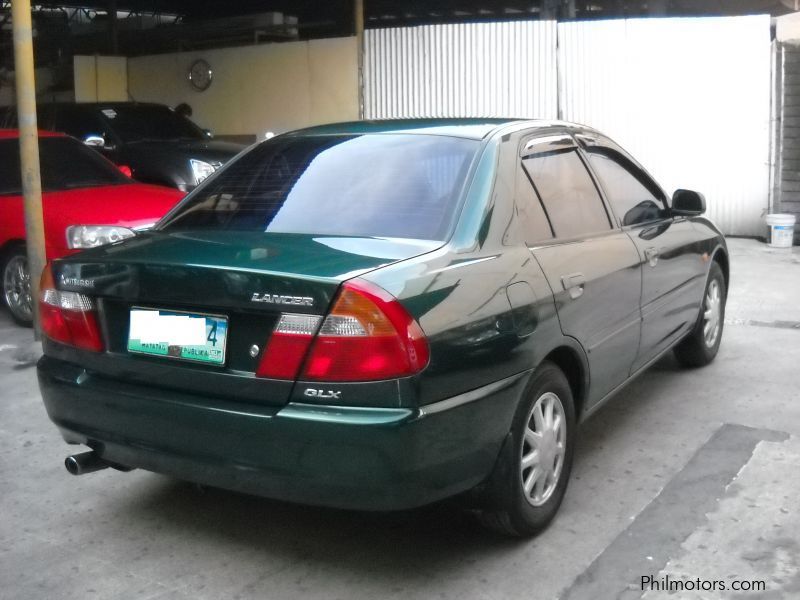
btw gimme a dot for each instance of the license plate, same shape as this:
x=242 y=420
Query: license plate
x=178 y=335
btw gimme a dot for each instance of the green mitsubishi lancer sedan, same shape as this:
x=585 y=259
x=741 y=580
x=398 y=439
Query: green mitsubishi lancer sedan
x=381 y=315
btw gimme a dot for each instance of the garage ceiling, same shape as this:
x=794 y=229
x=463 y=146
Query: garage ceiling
x=310 y=11
x=68 y=27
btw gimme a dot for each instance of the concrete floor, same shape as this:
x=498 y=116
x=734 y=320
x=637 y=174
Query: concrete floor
x=685 y=474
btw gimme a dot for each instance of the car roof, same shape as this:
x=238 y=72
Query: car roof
x=472 y=128
x=12 y=134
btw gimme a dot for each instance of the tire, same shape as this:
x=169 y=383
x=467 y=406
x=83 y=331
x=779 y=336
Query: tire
x=700 y=347
x=512 y=511
x=16 y=282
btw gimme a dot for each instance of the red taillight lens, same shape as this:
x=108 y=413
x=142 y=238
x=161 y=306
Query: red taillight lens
x=68 y=317
x=367 y=336
x=288 y=346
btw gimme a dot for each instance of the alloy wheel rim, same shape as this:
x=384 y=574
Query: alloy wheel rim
x=17 y=288
x=712 y=314
x=543 y=449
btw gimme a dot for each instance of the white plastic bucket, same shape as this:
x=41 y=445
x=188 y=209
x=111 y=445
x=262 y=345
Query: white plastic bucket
x=782 y=230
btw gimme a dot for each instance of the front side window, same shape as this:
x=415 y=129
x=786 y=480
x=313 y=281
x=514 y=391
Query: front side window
x=65 y=164
x=632 y=201
x=568 y=193
x=381 y=185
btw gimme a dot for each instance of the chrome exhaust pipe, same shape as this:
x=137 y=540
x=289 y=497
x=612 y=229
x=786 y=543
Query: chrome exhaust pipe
x=86 y=462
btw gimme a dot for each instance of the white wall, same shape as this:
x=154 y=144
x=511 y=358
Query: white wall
x=688 y=97
x=100 y=78
x=268 y=87
x=787 y=27
x=475 y=69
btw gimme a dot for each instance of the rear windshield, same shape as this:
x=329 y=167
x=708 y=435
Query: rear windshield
x=64 y=163
x=140 y=122
x=381 y=185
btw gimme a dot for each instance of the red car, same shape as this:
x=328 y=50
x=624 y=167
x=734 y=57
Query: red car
x=87 y=202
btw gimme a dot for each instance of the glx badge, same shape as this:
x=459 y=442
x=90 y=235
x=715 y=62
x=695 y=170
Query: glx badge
x=322 y=394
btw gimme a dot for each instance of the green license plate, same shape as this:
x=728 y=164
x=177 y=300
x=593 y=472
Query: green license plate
x=178 y=335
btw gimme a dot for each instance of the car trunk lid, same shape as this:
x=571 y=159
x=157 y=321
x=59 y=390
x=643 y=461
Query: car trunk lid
x=246 y=278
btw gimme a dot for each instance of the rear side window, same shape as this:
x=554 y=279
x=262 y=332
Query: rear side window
x=382 y=185
x=633 y=202
x=568 y=193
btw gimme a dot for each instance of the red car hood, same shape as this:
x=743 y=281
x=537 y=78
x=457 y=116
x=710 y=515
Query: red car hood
x=129 y=205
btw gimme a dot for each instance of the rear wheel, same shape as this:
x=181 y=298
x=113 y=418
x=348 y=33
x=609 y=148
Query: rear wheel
x=701 y=346
x=530 y=478
x=17 y=286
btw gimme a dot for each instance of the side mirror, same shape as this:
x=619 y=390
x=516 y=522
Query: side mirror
x=95 y=141
x=687 y=203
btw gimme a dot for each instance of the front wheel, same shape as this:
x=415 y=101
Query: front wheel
x=17 y=287
x=531 y=475
x=700 y=347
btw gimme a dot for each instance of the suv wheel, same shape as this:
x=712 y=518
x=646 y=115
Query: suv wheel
x=530 y=478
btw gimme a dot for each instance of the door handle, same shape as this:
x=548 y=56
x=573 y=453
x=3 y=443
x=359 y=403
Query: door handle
x=651 y=254
x=574 y=284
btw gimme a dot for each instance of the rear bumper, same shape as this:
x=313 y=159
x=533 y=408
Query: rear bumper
x=366 y=459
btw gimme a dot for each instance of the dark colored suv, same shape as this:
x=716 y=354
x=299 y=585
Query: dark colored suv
x=381 y=315
x=156 y=143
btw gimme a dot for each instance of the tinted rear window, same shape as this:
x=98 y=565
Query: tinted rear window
x=136 y=122
x=391 y=185
x=64 y=163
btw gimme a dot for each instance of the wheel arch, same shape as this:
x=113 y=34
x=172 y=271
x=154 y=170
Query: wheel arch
x=720 y=256
x=9 y=245
x=570 y=358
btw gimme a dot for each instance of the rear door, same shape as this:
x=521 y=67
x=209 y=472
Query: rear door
x=672 y=277
x=591 y=265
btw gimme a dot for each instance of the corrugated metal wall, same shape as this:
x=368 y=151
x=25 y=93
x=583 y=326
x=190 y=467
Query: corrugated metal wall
x=690 y=98
x=787 y=168
x=479 y=69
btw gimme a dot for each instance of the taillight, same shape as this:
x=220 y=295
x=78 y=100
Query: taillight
x=68 y=317
x=288 y=346
x=367 y=336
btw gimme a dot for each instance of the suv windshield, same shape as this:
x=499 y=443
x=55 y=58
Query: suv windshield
x=65 y=164
x=137 y=122
x=381 y=185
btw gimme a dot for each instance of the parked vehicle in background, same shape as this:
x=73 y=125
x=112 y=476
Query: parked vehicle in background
x=86 y=202
x=381 y=315
x=157 y=144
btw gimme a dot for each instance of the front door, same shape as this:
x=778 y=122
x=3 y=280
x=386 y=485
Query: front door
x=672 y=276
